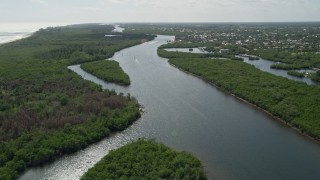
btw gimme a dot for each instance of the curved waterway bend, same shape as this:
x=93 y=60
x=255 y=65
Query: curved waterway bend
x=232 y=139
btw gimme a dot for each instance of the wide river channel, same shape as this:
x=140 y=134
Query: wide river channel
x=232 y=139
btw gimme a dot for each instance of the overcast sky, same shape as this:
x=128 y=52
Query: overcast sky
x=78 y=11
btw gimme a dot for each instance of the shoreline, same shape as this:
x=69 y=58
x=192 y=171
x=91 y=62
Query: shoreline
x=27 y=29
x=17 y=39
x=274 y=117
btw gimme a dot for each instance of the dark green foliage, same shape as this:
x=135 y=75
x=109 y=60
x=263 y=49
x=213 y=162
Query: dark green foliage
x=107 y=70
x=41 y=146
x=316 y=76
x=170 y=54
x=289 y=66
x=146 y=159
x=296 y=73
x=47 y=110
x=182 y=45
x=167 y=54
x=36 y=88
x=294 y=102
x=236 y=58
x=252 y=58
x=290 y=60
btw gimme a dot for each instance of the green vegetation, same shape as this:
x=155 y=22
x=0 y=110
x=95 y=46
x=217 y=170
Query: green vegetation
x=290 y=60
x=46 y=110
x=295 y=45
x=107 y=70
x=296 y=73
x=294 y=102
x=167 y=54
x=152 y=29
x=146 y=159
x=42 y=145
x=163 y=53
x=182 y=45
x=252 y=58
x=316 y=76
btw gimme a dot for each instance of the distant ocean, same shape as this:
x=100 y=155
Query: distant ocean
x=13 y=31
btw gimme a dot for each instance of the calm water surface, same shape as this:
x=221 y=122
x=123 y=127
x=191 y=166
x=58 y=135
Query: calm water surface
x=233 y=139
x=117 y=28
x=265 y=65
x=261 y=64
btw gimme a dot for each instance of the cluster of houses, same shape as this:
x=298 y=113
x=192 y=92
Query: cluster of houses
x=303 y=39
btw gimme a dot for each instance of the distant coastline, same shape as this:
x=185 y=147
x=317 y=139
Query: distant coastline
x=10 y=32
x=10 y=38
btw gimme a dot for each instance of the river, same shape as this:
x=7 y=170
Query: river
x=117 y=28
x=231 y=138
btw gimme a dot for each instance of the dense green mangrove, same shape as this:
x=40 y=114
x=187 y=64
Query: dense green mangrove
x=146 y=159
x=316 y=76
x=107 y=70
x=296 y=73
x=46 y=110
x=290 y=60
x=169 y=54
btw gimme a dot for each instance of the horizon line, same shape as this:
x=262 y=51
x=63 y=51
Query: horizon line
x=169 y=22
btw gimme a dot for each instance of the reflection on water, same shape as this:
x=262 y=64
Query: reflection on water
x=232 y=139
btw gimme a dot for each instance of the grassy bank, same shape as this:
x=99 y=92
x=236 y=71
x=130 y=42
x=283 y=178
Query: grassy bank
x=107 y=70
x=47 y=110
x=145 y=159
x=294 y=102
